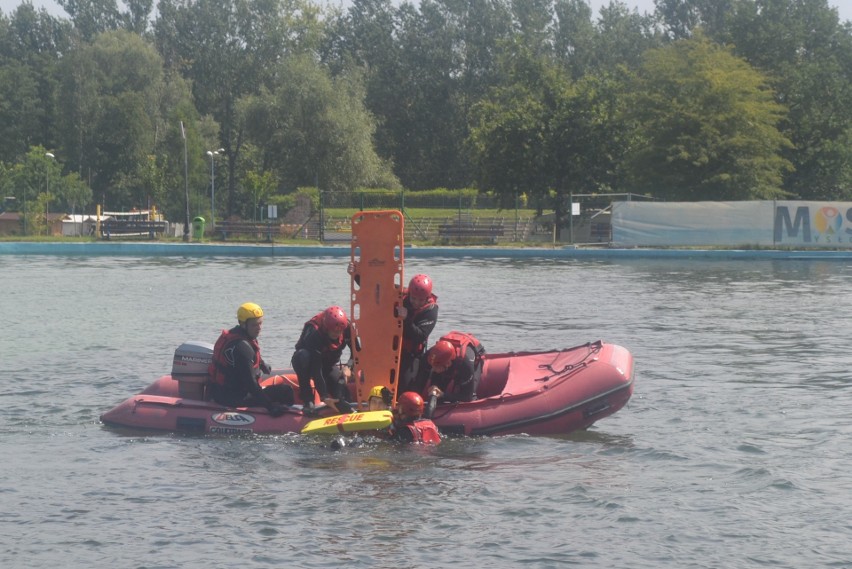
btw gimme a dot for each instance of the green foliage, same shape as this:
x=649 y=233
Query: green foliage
x=803 y=46
x=76 y=194
x=314 y=129
x=92 y=17
x=111 y=114
x=545 y=136
x=514 y=98
x=229 y=50
x=259 y=186
x=37 y=184
x=30 y=45
x=509 y=131
x=707 y=127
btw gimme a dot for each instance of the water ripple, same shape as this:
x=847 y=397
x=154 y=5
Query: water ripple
x=732 y=452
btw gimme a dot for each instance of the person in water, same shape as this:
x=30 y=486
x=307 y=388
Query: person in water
x=454 y=367
x=409 y=425
x=317 y=358
x=380 y=399
x=419 y=311
x=237 y=366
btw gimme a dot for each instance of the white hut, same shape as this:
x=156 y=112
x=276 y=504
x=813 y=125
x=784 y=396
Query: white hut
x=78 y=225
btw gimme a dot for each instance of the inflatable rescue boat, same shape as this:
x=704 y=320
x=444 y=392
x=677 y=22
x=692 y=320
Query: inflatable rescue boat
x=538 y=393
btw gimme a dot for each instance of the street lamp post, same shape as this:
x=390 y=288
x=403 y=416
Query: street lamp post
x=185 y=185
x=47 y=195
x=213 y=154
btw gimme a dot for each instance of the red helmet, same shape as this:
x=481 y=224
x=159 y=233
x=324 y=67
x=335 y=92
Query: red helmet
x=334 y=320
x=420 y=287
x=410 y=404
x=441 y=355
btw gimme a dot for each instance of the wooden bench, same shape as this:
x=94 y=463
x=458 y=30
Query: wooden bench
x=258 y=231
x=126 y=228
x=470 y=231
x=601 y=233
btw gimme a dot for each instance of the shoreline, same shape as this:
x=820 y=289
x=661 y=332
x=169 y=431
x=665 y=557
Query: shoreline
x=155 y=249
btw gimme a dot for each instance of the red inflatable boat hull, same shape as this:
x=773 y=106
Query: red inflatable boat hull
x=537 y=393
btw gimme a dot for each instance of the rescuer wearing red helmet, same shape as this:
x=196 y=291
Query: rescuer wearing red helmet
x=237 y=366
x=419 y=312
x=317 y=358
x=408 y=422
x=454 y=366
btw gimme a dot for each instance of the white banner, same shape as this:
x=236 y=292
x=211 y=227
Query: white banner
x=781 y=223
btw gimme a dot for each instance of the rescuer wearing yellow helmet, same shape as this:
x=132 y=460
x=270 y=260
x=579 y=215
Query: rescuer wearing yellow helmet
x=237 y=366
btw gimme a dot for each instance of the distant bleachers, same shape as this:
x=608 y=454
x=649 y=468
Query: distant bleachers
x=122 y=228
x=250 y=230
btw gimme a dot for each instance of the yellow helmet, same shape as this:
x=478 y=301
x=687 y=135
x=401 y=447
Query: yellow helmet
x=379 y=398
x=248 y=310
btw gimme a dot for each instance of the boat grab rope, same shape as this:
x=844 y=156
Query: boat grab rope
x=593 y=347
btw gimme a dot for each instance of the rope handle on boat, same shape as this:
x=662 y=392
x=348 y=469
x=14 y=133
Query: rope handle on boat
x=566 y=369
x=594 y=347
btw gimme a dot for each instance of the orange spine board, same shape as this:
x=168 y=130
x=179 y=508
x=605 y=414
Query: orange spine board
x=376 y=284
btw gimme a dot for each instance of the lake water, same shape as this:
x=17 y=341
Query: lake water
x=733 y=453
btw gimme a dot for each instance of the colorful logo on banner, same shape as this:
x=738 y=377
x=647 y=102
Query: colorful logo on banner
x=827 y=222
x=812 y=224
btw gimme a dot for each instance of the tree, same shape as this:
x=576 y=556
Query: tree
x=803 y=46
x=29 y=181
x=547 y=136
x=507 y=142
x=423 y=70
x=427 y=123
x=574 y=36
x=260 y=186
x=314 y=130
x=31 y=43
x=229 y=49
x=75 y=193
x=682 y=17
x=109 y=121
x=623 y=37
x=363 y=40
x=510 y=130
x=588 y=136
x=92 y=17
x=707 y=125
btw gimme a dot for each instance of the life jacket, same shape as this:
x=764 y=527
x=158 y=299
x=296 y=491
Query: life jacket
x=220 y=365
x=460 y=342
x=422 y=431
x=408 y=345
x=333 y=347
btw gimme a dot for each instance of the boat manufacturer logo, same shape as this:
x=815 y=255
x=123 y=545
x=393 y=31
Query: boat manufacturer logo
x=195 y=359
x=233 y=419
x=229 y=431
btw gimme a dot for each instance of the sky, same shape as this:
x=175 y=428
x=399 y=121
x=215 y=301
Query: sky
x=844 y=7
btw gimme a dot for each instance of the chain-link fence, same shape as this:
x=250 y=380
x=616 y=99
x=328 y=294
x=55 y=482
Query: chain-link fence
x=437 y=217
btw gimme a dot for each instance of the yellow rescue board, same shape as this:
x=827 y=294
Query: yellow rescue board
x=349 y=423
x=377 y=259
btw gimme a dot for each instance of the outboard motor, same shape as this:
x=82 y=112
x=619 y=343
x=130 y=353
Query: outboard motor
x=189 y=368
